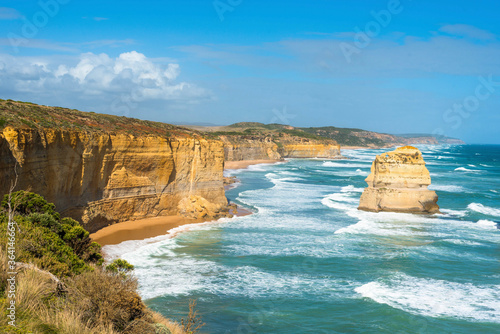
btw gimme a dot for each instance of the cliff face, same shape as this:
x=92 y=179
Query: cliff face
x=238 y=148
x=398 y=182
x=250 y=148
x=102 y=178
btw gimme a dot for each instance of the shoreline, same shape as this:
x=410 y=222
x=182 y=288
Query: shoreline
x=242 y=164
x=354 y=148
x=147 y=228
x=140 y=229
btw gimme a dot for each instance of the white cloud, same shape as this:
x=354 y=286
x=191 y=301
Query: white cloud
x=465 y=30
x=99 y=76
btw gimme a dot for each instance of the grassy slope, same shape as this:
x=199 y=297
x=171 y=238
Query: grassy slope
x=91 y=299
x=256 y=129
x=343 y=136
x=348 y=136
x=29 y=115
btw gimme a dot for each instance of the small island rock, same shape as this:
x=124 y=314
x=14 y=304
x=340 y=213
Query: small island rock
x=398 y=183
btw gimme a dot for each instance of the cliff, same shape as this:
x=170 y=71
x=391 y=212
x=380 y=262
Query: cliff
x=259 y=138
x=398 y=182
x=257 y=141
x=101 y=176
x=264 y=147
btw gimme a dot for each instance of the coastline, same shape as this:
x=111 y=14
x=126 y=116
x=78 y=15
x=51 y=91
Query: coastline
x=353 y=148
x=153 y=227
x=139 y=229
x=149 y=228
x=242 y=164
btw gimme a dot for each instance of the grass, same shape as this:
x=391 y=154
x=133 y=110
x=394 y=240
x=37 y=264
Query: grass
x=348 y=136
x=277 y=132
x=31 y=116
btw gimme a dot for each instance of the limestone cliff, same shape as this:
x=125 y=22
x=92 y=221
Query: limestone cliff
x=101 y=177
x=270 y=147
x=398 y=182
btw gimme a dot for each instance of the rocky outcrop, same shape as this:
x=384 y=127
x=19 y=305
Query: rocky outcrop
x=237 y=148
x=198 y=207
x=398 y=182
x=102 y=178
x=261 y=147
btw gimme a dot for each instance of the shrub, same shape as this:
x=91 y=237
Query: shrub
x=27 y=202
x=107 y=299
x=85 y=298
x=120 y=266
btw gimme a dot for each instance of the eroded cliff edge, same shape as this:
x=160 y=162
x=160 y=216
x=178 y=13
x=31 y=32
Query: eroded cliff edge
x=398 y=182
x=100 y=176
x=256 y=141
x=266 y=147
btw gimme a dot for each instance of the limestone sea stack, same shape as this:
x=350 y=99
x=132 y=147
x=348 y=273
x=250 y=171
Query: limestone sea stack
x=398 y=183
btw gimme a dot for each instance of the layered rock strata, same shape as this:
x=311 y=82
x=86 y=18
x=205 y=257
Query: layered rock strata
x=102 y=178
x=398 y=182
x=259 y=147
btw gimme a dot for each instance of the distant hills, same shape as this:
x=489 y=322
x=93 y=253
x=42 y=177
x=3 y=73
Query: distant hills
x=30 y=115
x=346 y=137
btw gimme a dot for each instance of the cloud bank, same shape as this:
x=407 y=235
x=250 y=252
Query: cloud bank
x=98 y=78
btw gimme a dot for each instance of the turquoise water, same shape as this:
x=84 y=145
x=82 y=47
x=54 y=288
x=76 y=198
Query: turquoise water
x=309 y=262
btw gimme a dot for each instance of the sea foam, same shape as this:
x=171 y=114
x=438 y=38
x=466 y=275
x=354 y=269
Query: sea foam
x=447 y=188
x=466 y=170
x=478 y=207
x=436 y=298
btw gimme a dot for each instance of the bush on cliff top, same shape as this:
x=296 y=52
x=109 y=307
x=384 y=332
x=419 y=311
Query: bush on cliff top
x=60 y=246
x=83 y=296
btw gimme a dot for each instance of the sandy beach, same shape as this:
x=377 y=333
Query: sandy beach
x=139 y=229
x=147 y=228
x=354 y=148
x=245 y=163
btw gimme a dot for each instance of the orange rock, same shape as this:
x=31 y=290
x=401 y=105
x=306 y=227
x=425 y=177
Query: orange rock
x=103 y=178
x=398 y=182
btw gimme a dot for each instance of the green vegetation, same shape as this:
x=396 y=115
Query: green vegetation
x=29 y=115
x=349 y=136
x=62 y=285
x=60 y=246
x=276 y=131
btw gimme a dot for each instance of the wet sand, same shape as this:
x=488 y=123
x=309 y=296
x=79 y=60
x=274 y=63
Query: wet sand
x=147 y=228
x=245 y=163
x=139 y=229
x=354 y=148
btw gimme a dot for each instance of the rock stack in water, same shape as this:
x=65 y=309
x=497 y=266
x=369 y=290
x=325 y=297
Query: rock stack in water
x=398 y=182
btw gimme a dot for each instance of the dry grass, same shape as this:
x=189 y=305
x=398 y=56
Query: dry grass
x=193 y=323
x=174 y=327
x=95 y=303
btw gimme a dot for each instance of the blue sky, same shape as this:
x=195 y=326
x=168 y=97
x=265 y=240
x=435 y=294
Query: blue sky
x=389 y=66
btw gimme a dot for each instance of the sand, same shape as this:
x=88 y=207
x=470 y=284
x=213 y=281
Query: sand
x=245 y=163
x=354 y=148
x=139 y=229
x=146 y=228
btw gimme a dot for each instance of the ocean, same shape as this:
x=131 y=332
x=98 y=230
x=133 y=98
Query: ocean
x=308 y=261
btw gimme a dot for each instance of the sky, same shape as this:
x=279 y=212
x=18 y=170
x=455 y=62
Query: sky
x=392 y=66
